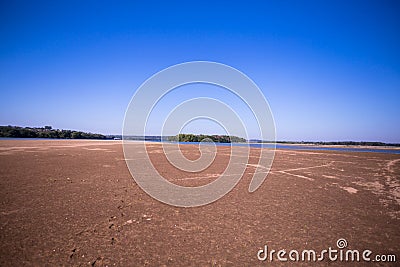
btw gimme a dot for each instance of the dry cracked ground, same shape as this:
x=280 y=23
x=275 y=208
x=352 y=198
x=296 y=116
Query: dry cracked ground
x=75 y=203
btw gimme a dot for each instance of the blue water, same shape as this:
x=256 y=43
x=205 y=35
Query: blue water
x=294 y=147
x=256 y=145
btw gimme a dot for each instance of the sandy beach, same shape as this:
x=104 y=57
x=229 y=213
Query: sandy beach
x=74 y=203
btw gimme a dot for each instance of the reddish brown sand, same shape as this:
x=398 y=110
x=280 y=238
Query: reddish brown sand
x=75 y=203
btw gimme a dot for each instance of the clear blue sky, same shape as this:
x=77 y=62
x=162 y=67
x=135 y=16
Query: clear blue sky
x=329 y=69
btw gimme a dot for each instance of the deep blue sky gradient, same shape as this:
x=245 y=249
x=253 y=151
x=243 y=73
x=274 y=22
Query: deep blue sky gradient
x=329 y=69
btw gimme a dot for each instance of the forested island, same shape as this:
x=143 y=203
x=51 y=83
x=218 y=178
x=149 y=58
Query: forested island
x=200 y=137
x=46 y=132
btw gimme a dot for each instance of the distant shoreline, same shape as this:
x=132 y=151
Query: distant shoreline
x=277 y=146
x=386 y=146
x=358 y=145
x=47 y=132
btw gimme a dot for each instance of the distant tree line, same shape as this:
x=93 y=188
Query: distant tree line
x=353 y=143
x=45 y=132
x=201 y=137
x=342 y=143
